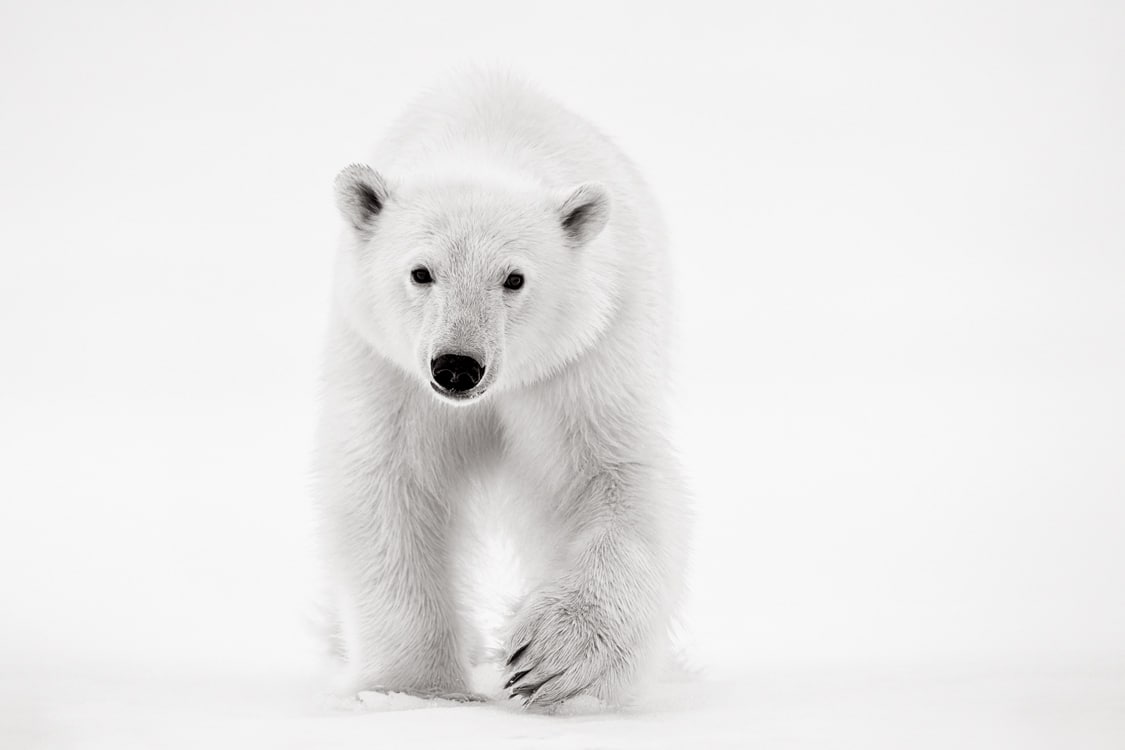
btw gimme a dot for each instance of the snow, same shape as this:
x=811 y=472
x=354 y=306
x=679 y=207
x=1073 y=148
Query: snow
x=112 y=707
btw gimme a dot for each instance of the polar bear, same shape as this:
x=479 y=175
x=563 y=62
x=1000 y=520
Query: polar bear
x=499 y=319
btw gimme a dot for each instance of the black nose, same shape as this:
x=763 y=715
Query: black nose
x=455 y=372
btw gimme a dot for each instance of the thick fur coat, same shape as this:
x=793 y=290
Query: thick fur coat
x=482 y=181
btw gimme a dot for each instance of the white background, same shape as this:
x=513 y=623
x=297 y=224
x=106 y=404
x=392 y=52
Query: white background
x=899 y=234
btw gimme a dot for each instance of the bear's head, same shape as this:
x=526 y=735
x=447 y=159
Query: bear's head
x=474 y=285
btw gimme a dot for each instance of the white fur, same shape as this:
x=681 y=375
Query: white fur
x=474 y=182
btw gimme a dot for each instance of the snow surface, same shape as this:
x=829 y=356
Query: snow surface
x=113 y=707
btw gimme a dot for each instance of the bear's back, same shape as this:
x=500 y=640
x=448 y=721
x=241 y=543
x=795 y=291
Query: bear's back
x=497 y=124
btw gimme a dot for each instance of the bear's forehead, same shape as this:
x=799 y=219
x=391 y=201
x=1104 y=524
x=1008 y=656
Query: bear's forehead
x=460 y=213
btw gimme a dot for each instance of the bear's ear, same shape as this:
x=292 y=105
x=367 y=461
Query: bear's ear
x=584 y=212
x=361 y=194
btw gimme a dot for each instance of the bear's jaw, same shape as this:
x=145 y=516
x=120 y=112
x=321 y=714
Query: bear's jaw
x=459 y=398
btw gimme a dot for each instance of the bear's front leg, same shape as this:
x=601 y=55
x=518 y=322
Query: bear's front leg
x=593 y=628
x=399 y=619
x=388 y=529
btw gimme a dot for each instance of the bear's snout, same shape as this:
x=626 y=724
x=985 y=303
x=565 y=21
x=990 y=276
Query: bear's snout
x=456 y=372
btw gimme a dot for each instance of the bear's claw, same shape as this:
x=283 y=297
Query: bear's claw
x=516 y=678
x=517 y=653
x=526 y=690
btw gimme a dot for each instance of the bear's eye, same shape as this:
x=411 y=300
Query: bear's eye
x=421 y=275
x=514 y=281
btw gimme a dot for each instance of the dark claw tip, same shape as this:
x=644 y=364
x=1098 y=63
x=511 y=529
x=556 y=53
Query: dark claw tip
x=518 y=653
x=529 y=690
x=516 y=678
